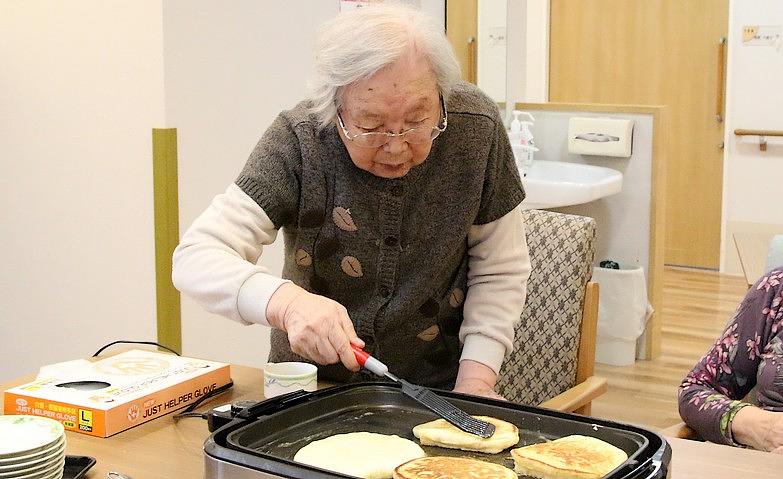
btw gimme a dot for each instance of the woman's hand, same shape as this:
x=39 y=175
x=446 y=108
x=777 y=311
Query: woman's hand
x=774 y=437
x=477 y=387
x=476 y=379
x=759 y=429
x=318 y=328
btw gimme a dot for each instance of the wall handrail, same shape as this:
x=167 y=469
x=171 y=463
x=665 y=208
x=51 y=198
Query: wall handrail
x=742 y=132
x=762 y=134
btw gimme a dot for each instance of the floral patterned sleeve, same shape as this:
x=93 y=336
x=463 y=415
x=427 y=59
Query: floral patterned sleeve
x=711 y=393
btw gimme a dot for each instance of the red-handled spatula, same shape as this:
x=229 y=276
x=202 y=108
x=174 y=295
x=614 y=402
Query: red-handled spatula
x=429 y=399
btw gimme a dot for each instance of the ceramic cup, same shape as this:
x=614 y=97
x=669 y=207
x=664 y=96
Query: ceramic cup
x=282 y=378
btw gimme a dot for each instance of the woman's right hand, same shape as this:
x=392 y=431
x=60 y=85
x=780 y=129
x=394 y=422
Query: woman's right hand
x=759 y=429
x=318 y=328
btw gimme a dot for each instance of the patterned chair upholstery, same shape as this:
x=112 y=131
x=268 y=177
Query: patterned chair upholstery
x=544 y=361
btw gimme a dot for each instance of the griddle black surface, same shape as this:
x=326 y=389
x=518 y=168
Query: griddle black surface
x=268 y=442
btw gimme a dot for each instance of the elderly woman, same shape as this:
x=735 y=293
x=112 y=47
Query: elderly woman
x=748 y=354
x=398 y=197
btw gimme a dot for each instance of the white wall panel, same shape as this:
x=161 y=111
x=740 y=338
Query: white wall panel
x=752 y=178
x=81 y=86
x=231 y=67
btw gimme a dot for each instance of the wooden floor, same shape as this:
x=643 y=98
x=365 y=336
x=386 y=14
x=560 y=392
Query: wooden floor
x=696 y=306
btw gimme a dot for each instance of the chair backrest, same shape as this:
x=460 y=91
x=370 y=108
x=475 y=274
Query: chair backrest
x=774 y=253
x=544 y=361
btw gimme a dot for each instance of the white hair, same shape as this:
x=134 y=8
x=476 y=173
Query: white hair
x=356 y=44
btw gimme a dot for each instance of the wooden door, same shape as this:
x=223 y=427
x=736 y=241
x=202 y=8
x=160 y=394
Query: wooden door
x=656 y=52
x=461 y=30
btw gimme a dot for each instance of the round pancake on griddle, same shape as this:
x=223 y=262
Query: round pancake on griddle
x=444 y=434
x=361 y=454
x=570 y=457
x=453 y=468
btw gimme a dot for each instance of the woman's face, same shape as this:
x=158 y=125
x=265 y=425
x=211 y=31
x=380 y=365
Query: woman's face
x=402 y=96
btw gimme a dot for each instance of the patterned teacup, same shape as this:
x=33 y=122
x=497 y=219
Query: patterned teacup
x=282 y=378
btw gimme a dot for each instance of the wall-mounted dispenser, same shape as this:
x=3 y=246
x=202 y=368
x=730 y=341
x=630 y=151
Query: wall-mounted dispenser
x=600 y=136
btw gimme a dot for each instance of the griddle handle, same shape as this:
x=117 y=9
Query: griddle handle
x=274 y=404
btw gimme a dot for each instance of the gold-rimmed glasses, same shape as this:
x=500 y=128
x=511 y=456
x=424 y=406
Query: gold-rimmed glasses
x=376 y=139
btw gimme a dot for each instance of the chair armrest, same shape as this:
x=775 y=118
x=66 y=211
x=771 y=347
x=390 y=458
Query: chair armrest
x=680 y=430
x=577 y=396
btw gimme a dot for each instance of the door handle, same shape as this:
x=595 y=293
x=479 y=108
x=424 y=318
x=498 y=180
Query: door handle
x=472 y=60
x=721 y=90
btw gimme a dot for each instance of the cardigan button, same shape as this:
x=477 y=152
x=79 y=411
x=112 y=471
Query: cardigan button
x=390 y=241
x=384 y=291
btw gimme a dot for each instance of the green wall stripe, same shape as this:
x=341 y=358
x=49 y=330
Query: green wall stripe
x=166 y=205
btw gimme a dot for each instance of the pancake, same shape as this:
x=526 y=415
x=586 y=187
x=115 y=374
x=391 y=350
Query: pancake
x=570 y=457
x=360 y=454
x=433 y=467
x=444 y=434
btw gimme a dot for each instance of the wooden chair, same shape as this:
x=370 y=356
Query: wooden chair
x=553 y=361
x=680 y=430
x=758 y=253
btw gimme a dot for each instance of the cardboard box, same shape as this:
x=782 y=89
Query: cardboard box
x=105 y=397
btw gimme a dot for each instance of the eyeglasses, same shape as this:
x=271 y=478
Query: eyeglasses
x=376 y=139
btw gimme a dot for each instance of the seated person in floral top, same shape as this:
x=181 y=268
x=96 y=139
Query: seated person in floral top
x=748 y=354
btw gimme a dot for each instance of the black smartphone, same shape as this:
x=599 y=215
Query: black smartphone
x=77 y=466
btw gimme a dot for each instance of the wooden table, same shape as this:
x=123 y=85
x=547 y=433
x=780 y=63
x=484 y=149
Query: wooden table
x=164 y=449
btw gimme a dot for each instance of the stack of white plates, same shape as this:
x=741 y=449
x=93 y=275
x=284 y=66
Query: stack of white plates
x=31 y=448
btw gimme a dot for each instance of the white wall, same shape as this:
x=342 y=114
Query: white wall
x=527 y=52
x=81 y=86
x=231 y=67
x=752 y=178
x=491 y=51
x=434 y=8
x=537 y=51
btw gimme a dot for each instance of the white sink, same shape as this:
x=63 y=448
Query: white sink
x=550 y=184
